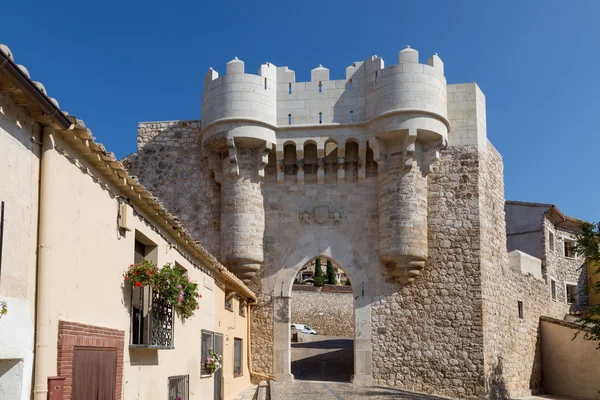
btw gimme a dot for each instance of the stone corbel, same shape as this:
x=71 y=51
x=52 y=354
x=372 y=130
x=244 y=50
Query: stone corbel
x=341 y=171
x=215 y=165
x=320 y=170
x=300 y=164
x=300 y=174
x=262 y=154
x=280 y=165
x=409 y=149
x=431 y=154
x=362 y=156
x=280 y=171
x=234 y=168
x=379 y=153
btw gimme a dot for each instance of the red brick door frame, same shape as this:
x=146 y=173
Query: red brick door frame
x=72 y=335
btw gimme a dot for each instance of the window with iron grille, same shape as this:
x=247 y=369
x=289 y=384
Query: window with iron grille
x=207 y=344
x=151 y=316
x=237 y=357
x=179 y=387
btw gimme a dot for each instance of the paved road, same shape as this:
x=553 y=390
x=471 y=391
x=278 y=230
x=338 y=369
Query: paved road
x=306 y=390
x=323 y=358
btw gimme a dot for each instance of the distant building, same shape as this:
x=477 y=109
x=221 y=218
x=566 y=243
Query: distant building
x=307 y=273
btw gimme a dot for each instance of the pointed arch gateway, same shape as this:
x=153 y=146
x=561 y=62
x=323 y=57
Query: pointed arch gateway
x=333 y=245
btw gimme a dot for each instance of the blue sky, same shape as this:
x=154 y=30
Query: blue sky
x=115 y=63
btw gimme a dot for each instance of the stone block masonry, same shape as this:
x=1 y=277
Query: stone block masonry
x=330 y=314
x=388 y=173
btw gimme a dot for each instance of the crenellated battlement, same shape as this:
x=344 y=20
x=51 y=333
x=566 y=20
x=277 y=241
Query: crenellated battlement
x=370 y=89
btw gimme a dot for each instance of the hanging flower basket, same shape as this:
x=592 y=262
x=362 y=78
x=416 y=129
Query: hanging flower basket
x=142 y=274
x=176 y=289
x=212 y=362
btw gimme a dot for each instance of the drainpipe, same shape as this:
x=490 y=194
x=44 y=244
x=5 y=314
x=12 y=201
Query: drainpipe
x=45 y=364
x=257 y=374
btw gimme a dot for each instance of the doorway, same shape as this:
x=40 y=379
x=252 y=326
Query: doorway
x=322 y=323
x=334 y=246
x=218 y=375
x=94 y=374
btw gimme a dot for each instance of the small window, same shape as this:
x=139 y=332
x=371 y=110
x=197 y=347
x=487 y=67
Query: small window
x=351 y=116
x=228 y=304
x=265 y=83
x=350 y=84
x=290 y=88
x=242 y=310
x=207 y=344
x=151 y=315
x=376 y=76
x=551 y=240
x=320 y=87
x=179 y=387
x=569 y=246
x=237 y=357
x=520 y=308
x=289 y=119
x=571 y=292
x=553 y=288
x=320 y=117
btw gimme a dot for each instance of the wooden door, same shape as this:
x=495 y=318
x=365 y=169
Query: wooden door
x=94 y=374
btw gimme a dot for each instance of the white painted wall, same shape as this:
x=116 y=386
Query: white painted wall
x=19 y=175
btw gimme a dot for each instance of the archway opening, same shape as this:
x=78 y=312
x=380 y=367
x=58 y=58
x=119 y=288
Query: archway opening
x=322 y=323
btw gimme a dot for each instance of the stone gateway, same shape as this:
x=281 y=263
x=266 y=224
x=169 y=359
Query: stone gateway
x=389 y=174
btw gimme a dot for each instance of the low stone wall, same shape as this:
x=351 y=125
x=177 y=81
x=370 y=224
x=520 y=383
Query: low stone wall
x=330 y=314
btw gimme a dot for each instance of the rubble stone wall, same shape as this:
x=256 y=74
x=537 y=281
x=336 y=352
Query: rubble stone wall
x=169 y=163
x=330 y=314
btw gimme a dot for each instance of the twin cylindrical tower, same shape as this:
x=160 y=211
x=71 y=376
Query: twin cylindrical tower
x=401 y=111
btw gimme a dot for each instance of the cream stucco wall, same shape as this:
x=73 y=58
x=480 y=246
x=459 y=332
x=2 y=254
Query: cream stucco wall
x=570 y=367
x=232 y=325
x=88 y=257
x=19 y=177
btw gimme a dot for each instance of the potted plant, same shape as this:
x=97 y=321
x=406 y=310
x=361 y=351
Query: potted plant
x=212 y=362
x=177 y=290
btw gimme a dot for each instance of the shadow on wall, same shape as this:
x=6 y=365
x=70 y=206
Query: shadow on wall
x=495 y=383
x=11 y=378
x=535 y=383
x=143 y=356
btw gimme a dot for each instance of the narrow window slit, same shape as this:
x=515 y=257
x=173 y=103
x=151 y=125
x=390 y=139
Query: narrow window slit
x=320 y=117
x=290 y=88
x=376 y=76
x=265 y=83
x=351 y=116
x=350 y=84
x=320 y=87
x=289 y=119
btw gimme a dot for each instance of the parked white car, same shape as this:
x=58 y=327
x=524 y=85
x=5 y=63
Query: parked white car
x=304 y=329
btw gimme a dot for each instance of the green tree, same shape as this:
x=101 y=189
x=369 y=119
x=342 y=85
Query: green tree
x=331 y=273
x=319 y=280
x=588 y=245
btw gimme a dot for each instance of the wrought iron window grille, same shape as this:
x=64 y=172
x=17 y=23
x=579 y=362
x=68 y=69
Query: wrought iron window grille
x=179 y=387
x=151 y=320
